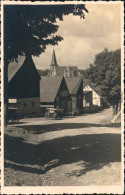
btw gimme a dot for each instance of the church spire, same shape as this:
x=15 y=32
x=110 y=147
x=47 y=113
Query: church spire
x=54 y=62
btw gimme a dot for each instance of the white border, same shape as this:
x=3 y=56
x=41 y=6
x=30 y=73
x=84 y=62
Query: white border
x=62 y=189
x=59 y=3
x=2 y=101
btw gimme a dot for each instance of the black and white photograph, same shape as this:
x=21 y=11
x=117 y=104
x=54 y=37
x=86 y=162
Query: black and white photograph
x=62 y=84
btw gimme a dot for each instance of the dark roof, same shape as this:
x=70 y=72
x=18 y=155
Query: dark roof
x=49 y=87
x=14 y=67
x=73 y=84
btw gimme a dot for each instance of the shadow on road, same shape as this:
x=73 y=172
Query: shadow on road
x=39 y=129
x=93 y=152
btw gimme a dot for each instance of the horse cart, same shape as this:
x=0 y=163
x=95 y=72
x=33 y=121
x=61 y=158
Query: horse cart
x=13 y=115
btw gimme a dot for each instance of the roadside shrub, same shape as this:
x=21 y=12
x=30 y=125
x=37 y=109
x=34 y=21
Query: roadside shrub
x=92 y=109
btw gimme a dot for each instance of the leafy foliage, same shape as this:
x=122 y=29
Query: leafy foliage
x=106 y=73
x=30 y=28
x=43 y=72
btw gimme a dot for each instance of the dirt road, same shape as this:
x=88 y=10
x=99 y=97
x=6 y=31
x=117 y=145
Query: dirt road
x=83 y=150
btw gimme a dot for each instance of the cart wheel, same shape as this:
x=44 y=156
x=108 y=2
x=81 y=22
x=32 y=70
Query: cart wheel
x=13 y=118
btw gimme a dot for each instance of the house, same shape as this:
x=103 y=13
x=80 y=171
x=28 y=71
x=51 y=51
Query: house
x=24 y=85
x=54 y=93
x=91 y=95
x=66 y=71
x=87 y=98
x=75 y=87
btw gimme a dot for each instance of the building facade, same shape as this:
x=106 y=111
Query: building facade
x=54 y=93
x=24 y=86
x=75 y=86
x=90 y=97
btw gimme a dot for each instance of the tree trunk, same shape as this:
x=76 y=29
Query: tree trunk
x=5 y=93
x=116 y=109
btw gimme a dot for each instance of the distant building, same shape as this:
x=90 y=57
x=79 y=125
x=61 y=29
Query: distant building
x=54 y=93
x=66 y=71
x=75 y=86
x=91 y=96
x=24 y=85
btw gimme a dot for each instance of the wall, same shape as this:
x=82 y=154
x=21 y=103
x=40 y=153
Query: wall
x=79 y=97
x=74 y=102
x=63 y=97
x=27 y=105
x=87 y=99
x=96 y=99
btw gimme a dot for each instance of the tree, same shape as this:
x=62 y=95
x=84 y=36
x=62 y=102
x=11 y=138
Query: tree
x=30 y=28
x=43 y=72
x=106 y=73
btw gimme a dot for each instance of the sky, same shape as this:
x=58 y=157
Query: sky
x=84 y=38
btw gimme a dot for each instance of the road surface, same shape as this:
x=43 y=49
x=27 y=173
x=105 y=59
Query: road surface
x=75 y=151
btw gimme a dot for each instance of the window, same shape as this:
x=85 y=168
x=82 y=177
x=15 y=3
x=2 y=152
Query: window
x=63 y=104
x=63 y=93
x=67 y=92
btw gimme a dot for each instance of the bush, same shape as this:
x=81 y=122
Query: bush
x=92 y=109
x=75 y=112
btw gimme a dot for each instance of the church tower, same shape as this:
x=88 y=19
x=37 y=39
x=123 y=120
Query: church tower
x=53 y=65
x=54 y=61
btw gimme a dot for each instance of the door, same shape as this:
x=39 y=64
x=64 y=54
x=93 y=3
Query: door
x=69 y=106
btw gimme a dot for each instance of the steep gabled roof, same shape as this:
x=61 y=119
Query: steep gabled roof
x=49 y=87
x=73 y=84
x=14 y=66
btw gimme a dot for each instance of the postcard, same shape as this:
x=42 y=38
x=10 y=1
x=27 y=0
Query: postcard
x=62 y=93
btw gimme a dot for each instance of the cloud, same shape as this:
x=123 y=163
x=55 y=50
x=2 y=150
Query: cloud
x=83 y=39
